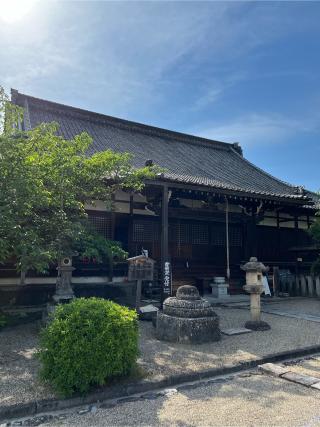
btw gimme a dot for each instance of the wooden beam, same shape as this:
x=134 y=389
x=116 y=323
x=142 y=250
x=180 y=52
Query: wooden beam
x=278 y=200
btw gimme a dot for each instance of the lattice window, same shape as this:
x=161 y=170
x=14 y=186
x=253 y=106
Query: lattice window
x=199 y=234
x=218 y=235
x=102 y=224
x=145 y=231
x=189 y=233
x=185 y=233
x=235 y=236
x=174 y=232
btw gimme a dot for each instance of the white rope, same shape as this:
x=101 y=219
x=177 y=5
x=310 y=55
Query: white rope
x=227 y=240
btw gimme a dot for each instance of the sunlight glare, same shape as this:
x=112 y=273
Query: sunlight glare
x=14 y=10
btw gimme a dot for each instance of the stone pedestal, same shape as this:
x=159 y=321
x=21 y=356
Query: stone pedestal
x=255 y=323
x=187 y=318
x=219 y=288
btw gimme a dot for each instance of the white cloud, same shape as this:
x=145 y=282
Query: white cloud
x=255 y=129
x=131 y=56
x=214 y=88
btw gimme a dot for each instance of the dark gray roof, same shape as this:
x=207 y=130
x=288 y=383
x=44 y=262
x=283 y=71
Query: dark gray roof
x=315 y=197
x=186 y=158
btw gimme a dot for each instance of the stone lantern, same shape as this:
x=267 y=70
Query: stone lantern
x=254 y=286
x=64 y=292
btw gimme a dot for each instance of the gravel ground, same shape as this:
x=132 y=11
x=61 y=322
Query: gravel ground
x=18 y=367
x=161 y=359
x=245 y=400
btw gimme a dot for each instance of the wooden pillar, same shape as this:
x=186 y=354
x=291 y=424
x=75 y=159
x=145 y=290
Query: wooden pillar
x=251 y=234
x=296 y=227
x=278 y=249
x=308 y=221
x=131 y=205
x=113 y=221
x=132 y=247
x=166 y=287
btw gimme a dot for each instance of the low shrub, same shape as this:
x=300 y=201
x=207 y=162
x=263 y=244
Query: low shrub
x=87 y=342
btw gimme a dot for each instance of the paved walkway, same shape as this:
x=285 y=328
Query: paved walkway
x=295 y=308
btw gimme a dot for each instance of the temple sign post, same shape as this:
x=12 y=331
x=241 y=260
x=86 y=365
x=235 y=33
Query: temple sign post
x=165 y=263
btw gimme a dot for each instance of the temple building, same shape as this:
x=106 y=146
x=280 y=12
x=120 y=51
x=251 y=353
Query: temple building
x=208 y=212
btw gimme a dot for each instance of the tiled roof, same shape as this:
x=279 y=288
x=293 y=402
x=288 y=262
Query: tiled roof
x=185 y=158
x=315 y=197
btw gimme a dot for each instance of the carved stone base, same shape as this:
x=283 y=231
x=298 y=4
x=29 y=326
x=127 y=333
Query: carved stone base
x=257 y=325
x=187 y=319
x=187 y=330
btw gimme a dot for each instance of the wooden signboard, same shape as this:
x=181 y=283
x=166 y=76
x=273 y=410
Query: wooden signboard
x=167 y=280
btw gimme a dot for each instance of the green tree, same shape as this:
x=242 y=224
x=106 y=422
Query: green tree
x=45 y=182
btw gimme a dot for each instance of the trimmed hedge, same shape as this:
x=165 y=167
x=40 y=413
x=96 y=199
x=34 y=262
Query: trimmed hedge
x=88 y=342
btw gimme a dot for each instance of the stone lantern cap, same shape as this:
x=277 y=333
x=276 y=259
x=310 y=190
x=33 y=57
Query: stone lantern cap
x=255 y=266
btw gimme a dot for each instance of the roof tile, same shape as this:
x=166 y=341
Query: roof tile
x=185 y=158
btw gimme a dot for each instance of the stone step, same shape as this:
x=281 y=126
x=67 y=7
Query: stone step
x=235 y=331
x=273 y=369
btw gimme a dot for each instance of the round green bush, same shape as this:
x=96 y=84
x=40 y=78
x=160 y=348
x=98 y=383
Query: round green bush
x=88 y=342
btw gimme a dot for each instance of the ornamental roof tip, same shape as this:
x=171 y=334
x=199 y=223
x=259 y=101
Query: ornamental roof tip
x=300 y=189
x=238 y=148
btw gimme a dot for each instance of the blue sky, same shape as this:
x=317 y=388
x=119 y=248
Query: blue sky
x=244 y=71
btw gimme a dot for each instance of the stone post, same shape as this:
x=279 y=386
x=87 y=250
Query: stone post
x=303 y=285
x=255 y=307
x=318 y=286
x=310 y=286
x=254 y=287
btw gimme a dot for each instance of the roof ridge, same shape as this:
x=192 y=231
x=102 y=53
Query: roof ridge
x=116 y=121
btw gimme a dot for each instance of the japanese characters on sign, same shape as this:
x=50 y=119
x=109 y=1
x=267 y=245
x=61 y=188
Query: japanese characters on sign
x=167 y=278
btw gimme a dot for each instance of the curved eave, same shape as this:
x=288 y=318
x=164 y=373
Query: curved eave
x=300 y=200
